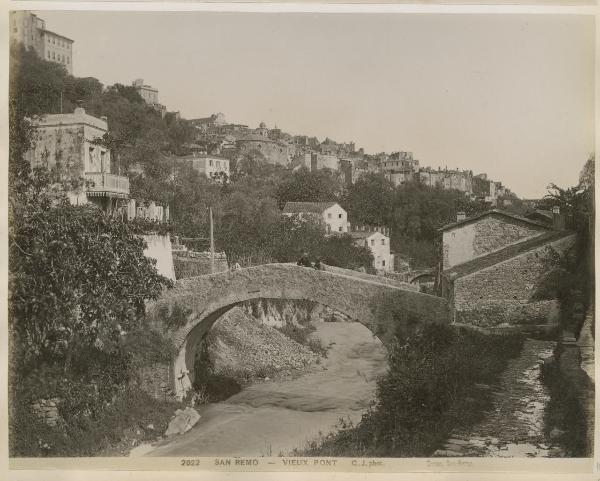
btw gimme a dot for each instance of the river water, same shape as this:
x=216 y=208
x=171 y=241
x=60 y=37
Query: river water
x=274 y=417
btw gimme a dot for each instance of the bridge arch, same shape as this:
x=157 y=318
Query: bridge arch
x=204 y=299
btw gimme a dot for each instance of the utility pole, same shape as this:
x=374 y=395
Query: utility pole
x=61 y=101
x=212 y=242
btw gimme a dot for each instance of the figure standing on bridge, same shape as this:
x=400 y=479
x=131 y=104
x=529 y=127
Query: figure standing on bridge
x=304 y=261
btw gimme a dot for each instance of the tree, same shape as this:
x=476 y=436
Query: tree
x=369 y=201
x=78 y=278
x=340 y=251
x=309 y=186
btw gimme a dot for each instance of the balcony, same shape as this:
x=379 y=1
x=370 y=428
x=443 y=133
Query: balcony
x=102 y=184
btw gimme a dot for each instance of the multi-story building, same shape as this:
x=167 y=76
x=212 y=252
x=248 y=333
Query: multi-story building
x=68 y=146
x=314 y=161
x=333 y=217
x=399 y=162
x=30 y=30
x=377 y=240
x=209 y=165
x=150 y=95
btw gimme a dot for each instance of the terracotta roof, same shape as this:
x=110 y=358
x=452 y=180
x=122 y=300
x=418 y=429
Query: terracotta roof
x=313 y=207
x=498 y=212
x=505 y=254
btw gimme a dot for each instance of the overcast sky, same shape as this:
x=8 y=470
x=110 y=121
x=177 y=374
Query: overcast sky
x=509 y=95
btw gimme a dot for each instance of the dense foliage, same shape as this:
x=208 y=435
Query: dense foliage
x=413 y=211
x=571 y=277
x=429 y=388
x=78 y=284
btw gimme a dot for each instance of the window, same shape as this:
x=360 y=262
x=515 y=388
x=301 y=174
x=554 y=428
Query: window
x=382 y=242
x=340 y=228
x=210 y=164
x=328 y=228
x=339 y=216
x=329 y=215
x=372 y=242
x=383 y=263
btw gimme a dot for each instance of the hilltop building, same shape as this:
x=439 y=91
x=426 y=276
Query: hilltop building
x=493 y=263
x=30 y=30
x=150 y=95
x=273 y=152
x=333 y=217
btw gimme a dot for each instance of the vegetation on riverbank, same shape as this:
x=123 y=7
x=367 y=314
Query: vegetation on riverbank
x=565 y=419
x=90 y=427
x=436 y=382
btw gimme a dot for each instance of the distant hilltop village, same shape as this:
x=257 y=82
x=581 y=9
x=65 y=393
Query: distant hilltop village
x=217 y=137
x=217 y=142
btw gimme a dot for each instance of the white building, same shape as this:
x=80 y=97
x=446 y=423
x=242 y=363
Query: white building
x=30 y=30
x=150 y=95
x=210 y=165
x=379 y=245
x=68 y=146
x=334 y=218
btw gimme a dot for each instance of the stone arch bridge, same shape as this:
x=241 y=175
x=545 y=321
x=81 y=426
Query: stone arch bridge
x=376 y=302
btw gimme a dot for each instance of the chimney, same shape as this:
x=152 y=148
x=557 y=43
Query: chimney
x=558 y=219
x=460 y=216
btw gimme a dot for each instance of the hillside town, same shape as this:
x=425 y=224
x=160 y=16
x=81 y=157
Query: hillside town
x=153 y=256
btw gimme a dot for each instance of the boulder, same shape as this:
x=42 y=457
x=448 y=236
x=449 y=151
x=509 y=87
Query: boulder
x=183 y=421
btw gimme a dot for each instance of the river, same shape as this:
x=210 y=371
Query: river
x=274 y=417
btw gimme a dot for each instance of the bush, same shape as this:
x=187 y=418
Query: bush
x=90 y=425
x=301 y=335
x=428 y=390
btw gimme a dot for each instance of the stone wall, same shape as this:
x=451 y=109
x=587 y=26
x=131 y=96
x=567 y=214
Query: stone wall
x=47 y=410
x=487 y=234
x=502 y=293
x=156 y=379
x=159 y=249
x=196 y=266
x=273 y=152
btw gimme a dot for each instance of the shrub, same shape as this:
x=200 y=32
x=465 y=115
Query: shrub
x=428 y=390
x=92 y=425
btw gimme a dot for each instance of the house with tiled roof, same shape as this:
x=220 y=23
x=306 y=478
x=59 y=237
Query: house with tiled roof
x=377 y=240
x=493 y=263
x=331 y=214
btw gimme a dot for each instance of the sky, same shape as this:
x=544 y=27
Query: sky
x=509 y=95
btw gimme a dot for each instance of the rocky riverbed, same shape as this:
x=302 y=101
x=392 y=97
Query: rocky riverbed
x=273 y=417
